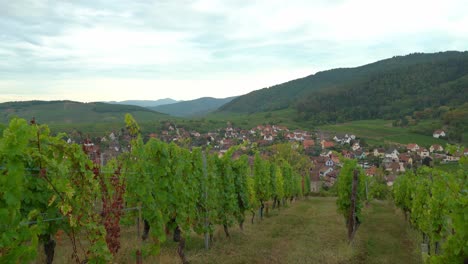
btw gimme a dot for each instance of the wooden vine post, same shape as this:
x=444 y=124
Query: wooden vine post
x=139 y=258
x=205 y=174
x=352 y=223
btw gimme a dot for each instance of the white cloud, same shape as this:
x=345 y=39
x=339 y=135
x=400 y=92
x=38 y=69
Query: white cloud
x=107 y=89
x=186 y=49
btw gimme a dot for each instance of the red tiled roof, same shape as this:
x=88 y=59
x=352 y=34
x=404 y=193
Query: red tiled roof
x=404 y=157
x=308 y=143
x=411 y=146
x=328 y=144
x=371 y=171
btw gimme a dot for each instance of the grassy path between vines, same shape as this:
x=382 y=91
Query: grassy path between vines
x=308 y=231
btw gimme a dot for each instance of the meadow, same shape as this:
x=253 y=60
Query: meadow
x=380 y=132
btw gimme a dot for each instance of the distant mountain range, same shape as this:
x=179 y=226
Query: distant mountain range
x=145 y=103
x=193 y=108
x=71 y=112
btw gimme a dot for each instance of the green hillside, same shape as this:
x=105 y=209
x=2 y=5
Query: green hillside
x=69 y=112
x=405 y=89
x=385 y=89
x=197 y=107
x=378 y=132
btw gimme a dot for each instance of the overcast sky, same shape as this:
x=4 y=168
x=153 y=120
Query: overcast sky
x=93 y=50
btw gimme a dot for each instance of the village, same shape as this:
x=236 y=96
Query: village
x=326 y=151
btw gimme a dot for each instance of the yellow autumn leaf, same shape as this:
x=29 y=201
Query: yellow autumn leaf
x=52 y=200
x=65 y=209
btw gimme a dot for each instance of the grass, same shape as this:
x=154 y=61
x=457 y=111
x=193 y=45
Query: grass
x=385 y=238
x=379 y=132
x=309 y=231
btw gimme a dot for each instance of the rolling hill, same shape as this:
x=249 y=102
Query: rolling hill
x=70 y=112
x=388 y=88
x=197 y=107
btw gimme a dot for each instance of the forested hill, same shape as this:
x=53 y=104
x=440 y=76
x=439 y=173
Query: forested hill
x=389 y=88
x=192 y=108
x=69 y=112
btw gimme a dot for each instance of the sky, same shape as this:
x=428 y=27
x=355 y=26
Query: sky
x=95 y=50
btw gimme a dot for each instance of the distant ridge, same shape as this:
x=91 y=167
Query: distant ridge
x=145 y=103
x=192 y=108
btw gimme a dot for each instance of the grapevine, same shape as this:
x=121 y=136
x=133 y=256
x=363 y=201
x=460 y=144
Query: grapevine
x=48 y=176
x=262 y=181
x=241 y=171
x=177 y=190
x=436 y=203
x=351 y=195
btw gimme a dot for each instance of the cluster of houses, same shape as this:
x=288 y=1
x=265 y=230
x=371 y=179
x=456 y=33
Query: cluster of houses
x=106 y=147
x=220 y=139
x=436 y=152
x=325 y=170
x=388 y=163
x=327 y=162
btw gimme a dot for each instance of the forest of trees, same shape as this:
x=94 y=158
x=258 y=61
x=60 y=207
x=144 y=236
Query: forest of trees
x=390 y=94
x=448 y=65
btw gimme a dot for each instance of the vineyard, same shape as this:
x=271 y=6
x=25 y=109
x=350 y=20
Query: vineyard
x=168 y=192
x=435 y=202
x=48 y=185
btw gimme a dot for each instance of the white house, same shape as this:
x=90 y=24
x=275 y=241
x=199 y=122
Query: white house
x=451 y=159
x=439 y=133
x=402 y=167
x=344 y=139
x=392 y=154
x=379 y=152
x=412 y=147
x=436 y=147
x=112 y=136
x=329 y=163
x=423 y=153
x=356 y=146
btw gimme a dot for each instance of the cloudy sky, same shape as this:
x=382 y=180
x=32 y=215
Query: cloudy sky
x=92 y=50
